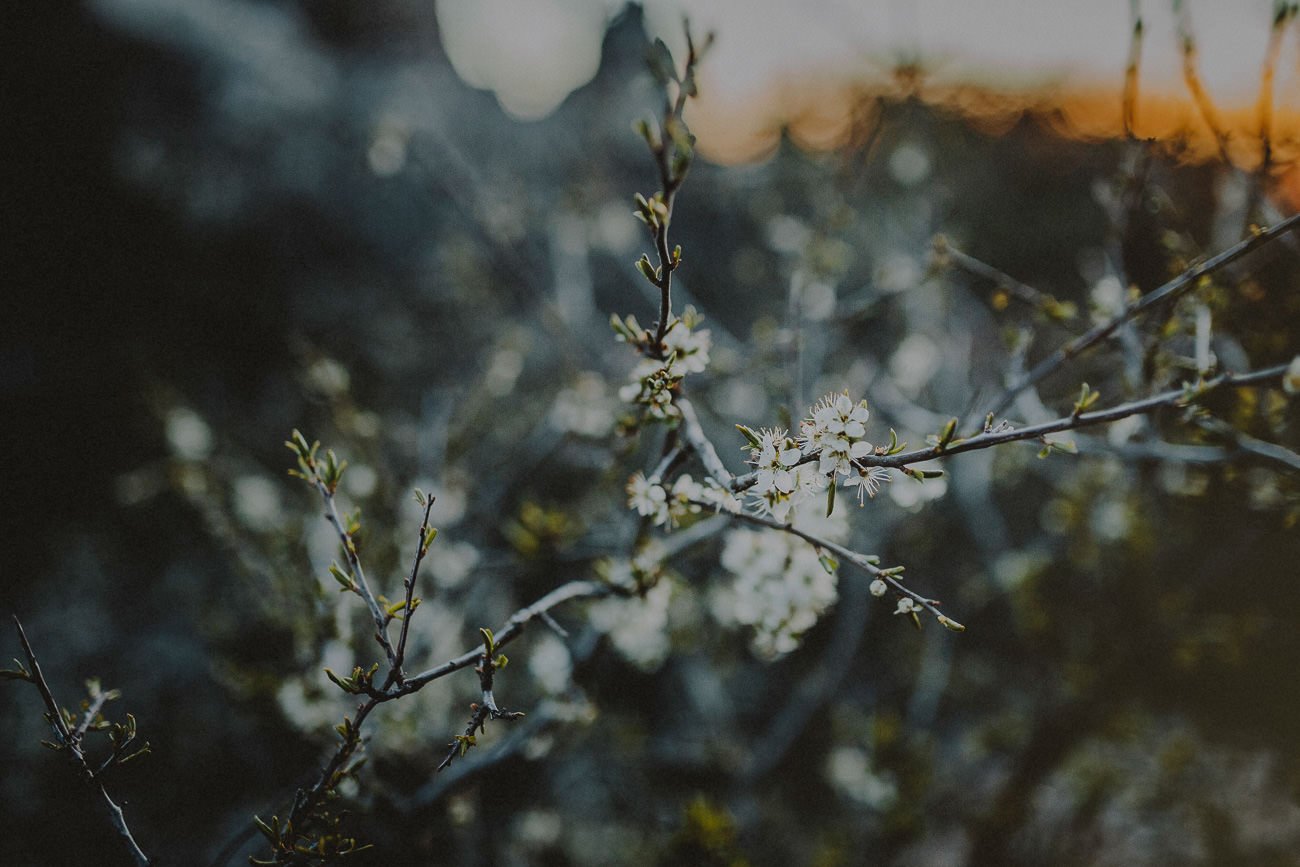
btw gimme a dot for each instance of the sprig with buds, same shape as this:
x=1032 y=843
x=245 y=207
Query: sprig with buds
x=70 y=730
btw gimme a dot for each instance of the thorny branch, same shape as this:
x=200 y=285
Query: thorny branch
x=69 y=740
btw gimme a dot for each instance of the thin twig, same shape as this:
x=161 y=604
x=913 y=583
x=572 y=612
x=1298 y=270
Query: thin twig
x=1131 y=71
x=512 y=630
x=1176 y=397
x=1192 y=77
x=1022 y=292
x=1172 y=290
x=421 y=548
x=1262 y=448
x=357 y=572
x=307 y=800
x=72 y=745
x=861 y=561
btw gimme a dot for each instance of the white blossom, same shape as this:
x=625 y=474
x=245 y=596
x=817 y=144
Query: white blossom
x=637 y=626
x=780 y=587
x=868 y=481
x=879 y=588
x=691 y=346
x=653 y=380
x=648 y=498
x=835 y=432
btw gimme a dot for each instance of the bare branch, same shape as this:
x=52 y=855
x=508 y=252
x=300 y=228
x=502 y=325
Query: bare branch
x=358 y=573
x=421 y=548
x=1172 y=290
x=512 y=630
x=70 y=741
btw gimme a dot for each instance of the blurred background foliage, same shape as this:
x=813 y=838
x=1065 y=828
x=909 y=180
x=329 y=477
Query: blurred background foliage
x=230 y=219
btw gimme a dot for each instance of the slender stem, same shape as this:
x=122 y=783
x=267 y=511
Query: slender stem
x=1247 y=443
x=1192 y=78
x=358 y=573
x=512 y=630
x=1174 y=289
x=1174 y=397
x=695 y=437
x=1022 y=292
x=861 y=561
x=96 y=705
x=70 y=741
x=308 y=799
x=1131 y=71
x=421 y=548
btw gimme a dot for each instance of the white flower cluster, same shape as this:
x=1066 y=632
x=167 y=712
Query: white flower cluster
x=835 y=433
x=666 y=507
x=686 y=350
x=780 y=588
x=782 y=482
x=637 y=626
x=652 y=386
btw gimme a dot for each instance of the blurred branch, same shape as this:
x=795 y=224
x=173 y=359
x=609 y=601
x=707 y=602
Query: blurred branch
x=1247 y=443
x=1132 y=69
x=1192 y=77
x=1036 y=299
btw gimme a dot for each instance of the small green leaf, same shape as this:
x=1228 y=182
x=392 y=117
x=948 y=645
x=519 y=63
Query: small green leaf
x=501 y=661
x=647 y=270
x=489 y=643
x=830 y=498
x=829 y=563
x=946 y=435
x=949 y=623
x=749 y=435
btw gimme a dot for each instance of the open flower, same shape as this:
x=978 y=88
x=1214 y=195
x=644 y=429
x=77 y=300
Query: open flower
x=868 y=481
x=648 y=498
x=776 y=479
x=834 y=431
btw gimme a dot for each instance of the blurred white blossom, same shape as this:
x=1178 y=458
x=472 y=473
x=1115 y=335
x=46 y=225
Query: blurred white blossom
x=637 y=626
x=780 y=586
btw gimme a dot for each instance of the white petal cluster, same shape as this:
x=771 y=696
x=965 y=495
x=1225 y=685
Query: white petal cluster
x=690 y=345
x=652 y=381
x=836 y=433
x=666 y=507
x=831 y=444
x=652 y=386
x=780 y=587
x=637 y=626
x=781 y=482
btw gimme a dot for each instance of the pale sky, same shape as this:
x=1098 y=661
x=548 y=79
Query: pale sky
x=533 y=53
